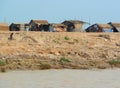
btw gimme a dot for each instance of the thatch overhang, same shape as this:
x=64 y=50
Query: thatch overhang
x=104 y=26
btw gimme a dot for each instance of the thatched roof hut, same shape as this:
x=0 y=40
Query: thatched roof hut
x=39 y=25
x=4 y=27
x=99 y=28
x=74 y=25
x=19 y=27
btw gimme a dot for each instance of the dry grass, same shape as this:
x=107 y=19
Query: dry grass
x=28 y=48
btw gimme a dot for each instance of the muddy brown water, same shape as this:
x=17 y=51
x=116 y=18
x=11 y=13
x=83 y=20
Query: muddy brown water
x=109 y=78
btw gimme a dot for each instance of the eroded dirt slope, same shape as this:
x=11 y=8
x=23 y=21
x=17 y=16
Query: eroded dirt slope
x=40 y=50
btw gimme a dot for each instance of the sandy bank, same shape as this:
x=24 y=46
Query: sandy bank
x=40 y=50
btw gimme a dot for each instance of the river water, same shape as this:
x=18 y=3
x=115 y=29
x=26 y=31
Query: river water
x=109 y=78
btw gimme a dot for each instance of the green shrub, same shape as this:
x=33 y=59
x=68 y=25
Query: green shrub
x=2 y=63
x=66 y=38
x=76 y=40
x=64 y=60
x=114 y=62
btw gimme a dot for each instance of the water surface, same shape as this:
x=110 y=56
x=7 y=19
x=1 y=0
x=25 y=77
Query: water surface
x=61 y=79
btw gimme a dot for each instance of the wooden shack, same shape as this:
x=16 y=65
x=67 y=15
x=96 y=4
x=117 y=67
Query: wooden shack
x=19 y=27
x=74 y=25
x=4 y=27
x=39 y=25
x=99 y=28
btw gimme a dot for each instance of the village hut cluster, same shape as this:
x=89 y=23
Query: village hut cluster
x=44 y=25
x=65 y=26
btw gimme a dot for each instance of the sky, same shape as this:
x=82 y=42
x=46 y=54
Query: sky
x=56 y=11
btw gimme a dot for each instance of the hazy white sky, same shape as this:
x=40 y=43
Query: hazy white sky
x=94 y=11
